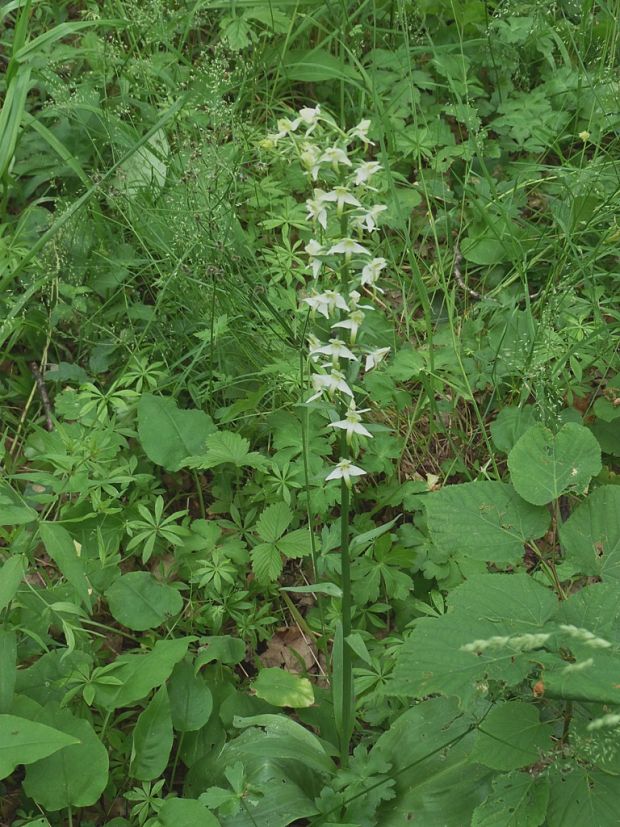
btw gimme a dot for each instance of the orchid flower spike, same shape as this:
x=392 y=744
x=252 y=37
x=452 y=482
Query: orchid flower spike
x=345 y=470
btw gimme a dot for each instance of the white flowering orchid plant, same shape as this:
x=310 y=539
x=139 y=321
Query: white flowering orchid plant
x=343 y=270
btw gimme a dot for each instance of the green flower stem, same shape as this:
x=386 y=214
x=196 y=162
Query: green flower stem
x=347 y=665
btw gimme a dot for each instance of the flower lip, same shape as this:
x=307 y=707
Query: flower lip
x=344 y=470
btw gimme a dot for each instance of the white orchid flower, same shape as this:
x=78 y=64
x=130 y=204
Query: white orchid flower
x=313 y=250
x=337 y=350
x=325 y=303
x=342 y=196
x=375 y=357
x=314 y=344
x=368 y=219
x=286 y=126
x=309 y=157
x=330 y=382
x=352 y=324
x=354 y=300
x=372 y=271
x=361 y=132
x=310 y=117
x=335 y=156
x=316 y=207
x=352 y=423
x=344 y=471
x=365 y=171
x=348 y=246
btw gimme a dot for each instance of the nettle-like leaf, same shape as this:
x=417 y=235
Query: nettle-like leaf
x=510 y=425
x=512 y=736
x=543 y=466
x=487 y=521
x=591 y=535
x=517 y=799
x=486 y=606
x=582 y=795
x=226 y=448
x=434 y=787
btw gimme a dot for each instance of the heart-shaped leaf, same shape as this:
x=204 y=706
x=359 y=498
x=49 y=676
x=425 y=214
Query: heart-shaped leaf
x=543 y=466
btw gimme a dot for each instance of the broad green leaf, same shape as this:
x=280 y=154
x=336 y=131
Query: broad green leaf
x=580 y=795
x=543 y=466
x=23 y=741
x=591 y=535
x=77 y=775
x=169 y=434
x=13 y=510
x=485 y=249
x=8 y=667
x=281 y=688
x=434 y=787
x=186 y=812
x=139 y=601
x=220 y=648
x=486 y=521
x=11 y=575
x=191 y=701
x=226 y=448
x=273 y=522
x=63 y=550
x=296 y=543
x=485 y=606
x=266 y=562
x=510 y=425
x=518 y=799
x=511 y=736
x=139 y=673
x=152 y=739
x=282 y=739
x=407 y=364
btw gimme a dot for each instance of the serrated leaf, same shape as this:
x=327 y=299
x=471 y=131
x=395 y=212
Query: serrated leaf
x=266 y=562
x=580 y=795
x=139 y=601
x=489 y=605
x=296 y=543
x=518 y=799
x=486 y=521
x=511 y=736
x=226 y=447
x=435 y=787
x=591 y=535
x=543 y=466
x=152 y=739
x=510 y=425
x=169 y=434
x=281 y=688
x=273 y=522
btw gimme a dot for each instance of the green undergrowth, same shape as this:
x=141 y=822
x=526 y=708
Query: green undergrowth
x=225 y=604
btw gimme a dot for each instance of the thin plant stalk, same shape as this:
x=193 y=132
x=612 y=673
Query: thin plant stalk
x=346 y=685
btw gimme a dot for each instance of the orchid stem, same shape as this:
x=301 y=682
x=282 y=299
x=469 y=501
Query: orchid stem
x=347 y=665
